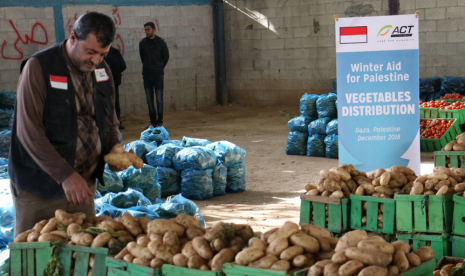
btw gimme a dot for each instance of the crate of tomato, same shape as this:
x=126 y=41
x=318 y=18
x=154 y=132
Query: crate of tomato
x=430 y=110
x=453 y=97
x=455 y=110
x=438 y=133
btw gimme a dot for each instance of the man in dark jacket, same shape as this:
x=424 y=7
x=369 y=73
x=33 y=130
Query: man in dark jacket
x=115 y=60
x=154 y=55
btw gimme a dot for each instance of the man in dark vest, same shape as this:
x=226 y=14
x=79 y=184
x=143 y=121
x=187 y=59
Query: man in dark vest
x=115 y=60
x=64 y=124
x=154 y=55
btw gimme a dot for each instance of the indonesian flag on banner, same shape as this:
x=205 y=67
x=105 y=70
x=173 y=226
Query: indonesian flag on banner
x=350 y=35
x=59 y=82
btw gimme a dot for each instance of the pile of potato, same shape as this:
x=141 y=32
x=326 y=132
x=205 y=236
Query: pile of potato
x=336 y=182
x=287 y=247
x=442 y=181
x=358 y=254
x=445 y=269
x=456 y=145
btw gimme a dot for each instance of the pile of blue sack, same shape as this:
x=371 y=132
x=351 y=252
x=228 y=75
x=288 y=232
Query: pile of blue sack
x=7 y=221
x=314 y=132
x=7 y=105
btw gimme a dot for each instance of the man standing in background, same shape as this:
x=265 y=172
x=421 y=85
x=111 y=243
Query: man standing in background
x=154 y=55
x=115 y=60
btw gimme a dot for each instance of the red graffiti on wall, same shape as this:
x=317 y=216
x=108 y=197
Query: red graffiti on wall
x=26 y=40
x=116 y=17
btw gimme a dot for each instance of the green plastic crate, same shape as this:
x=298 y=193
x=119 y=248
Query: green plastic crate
x=22 y=261
x=458 y=246
x=338 y=212
x=456 y=159
x=435 y=144
x=453 y=101
x=458 y=221
x=238 y=270
x=458 y=114
x=429 y=112
x=29 y=258
x=441 y=244
x=425 y=269
x=171 y=270
x=121 y=268
x=424 y=213
x=356 y=211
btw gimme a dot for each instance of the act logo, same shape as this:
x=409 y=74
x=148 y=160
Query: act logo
x=398 y=31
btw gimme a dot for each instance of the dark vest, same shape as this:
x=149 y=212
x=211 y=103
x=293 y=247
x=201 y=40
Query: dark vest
x=60 y=123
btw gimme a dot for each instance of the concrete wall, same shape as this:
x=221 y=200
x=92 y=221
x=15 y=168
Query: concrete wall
x=279 y=49
x=186 y=26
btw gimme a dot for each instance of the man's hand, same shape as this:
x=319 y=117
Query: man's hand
x=76 y=189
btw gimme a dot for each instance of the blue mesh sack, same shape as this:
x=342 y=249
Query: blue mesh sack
x=296 y=143
x=169 y=181
x=113 y=183
x=236 y=178
x=125 y=199
x=452 y=85
x=316 y=145
x=5 y=137
x=10 y=123
x=4 y=261
x=326 y=106
x=4 y=175
x=334 y=86
x=197 y=158
x=197 y=184
x=7 y=99
x=141 y=148
x=299 y=124
x=5 y=116
x=178 y=205
x=3 y=161
x=155 y=135
x=331 y=127
x=332 y=147
x=219 y=178
x=318 y=126
x=104 y=209
x=142 y=179
x=227 y=152
x=7 y=217
x=176 y=142
x=307 y=106
x=191 y=142
x=97 y=195
x=163 y=155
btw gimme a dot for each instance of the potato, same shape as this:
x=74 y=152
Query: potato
x=425 y=253
x=267 y=234
x=202 y=247
x=375 y=173
x=170 y=238
x=313 y=192
x=49 y=237
x=325 y=255
x=131 y=224
x=318 y=268
x=285 y=231
x=141 y=261
x=188 y=250
x=413 y=259
x=340 y=257
x=401 y=261
x=188 y=221
x=309 y=243
x=265 y=262
x=101 y=240
x=143 y=241
x=350 y=268
x=384 y=178
x=215 y=232
x=224 y=256
x=351 y=239
x=337 y=195
x=417 y=188
x=442 y=191
x=50 y=226
x=460 y=187
x=125 y=239
x=112 y=224
x=315 y=231
x=325 y=193
x=180 y=260
x=457 y=172
x=401 y=246
x=330 y=175
x=248 y=255
x=66 y=219
x=368 y=189
x=219 y=244
x=373 y=271
x=73 y=227
x=124 y=159
x=243 y=231
x=291 y=252
x=384 y=190
x=122 y=253
x=369 y=257
x=258 y=243
x=139 y=251
x=33 y=237
x=277 y=246
x=331 y=269
x=360 y=190
x=128 y=258
x=84 y=239
x=446 y=269
x=193 y=232
x=117 y=148
x=309 y=187
x=331 y=185
x=161 y=226
x=392 y=270
x=299 y=261
x=332 y=241
x=281 y=265
x=40 y=225
x=157 y=263
x=376 y=245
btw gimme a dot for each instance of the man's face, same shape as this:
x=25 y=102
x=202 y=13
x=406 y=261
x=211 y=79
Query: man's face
x=149 y=32
x=86 y=54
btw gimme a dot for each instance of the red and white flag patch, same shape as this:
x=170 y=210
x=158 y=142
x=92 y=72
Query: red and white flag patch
x=349 y=35
x=59 y=82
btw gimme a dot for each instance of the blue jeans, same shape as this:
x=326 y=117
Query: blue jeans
x=154 y=84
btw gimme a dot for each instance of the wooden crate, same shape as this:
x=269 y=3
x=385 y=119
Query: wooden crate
x=338 y=212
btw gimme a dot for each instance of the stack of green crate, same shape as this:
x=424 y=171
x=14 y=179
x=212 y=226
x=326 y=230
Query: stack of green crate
x=458 y=114
x=425 y=220
x=330 y=213
x=436 y=144
x=373 y=204
x=458 y=226
x=429 y=112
